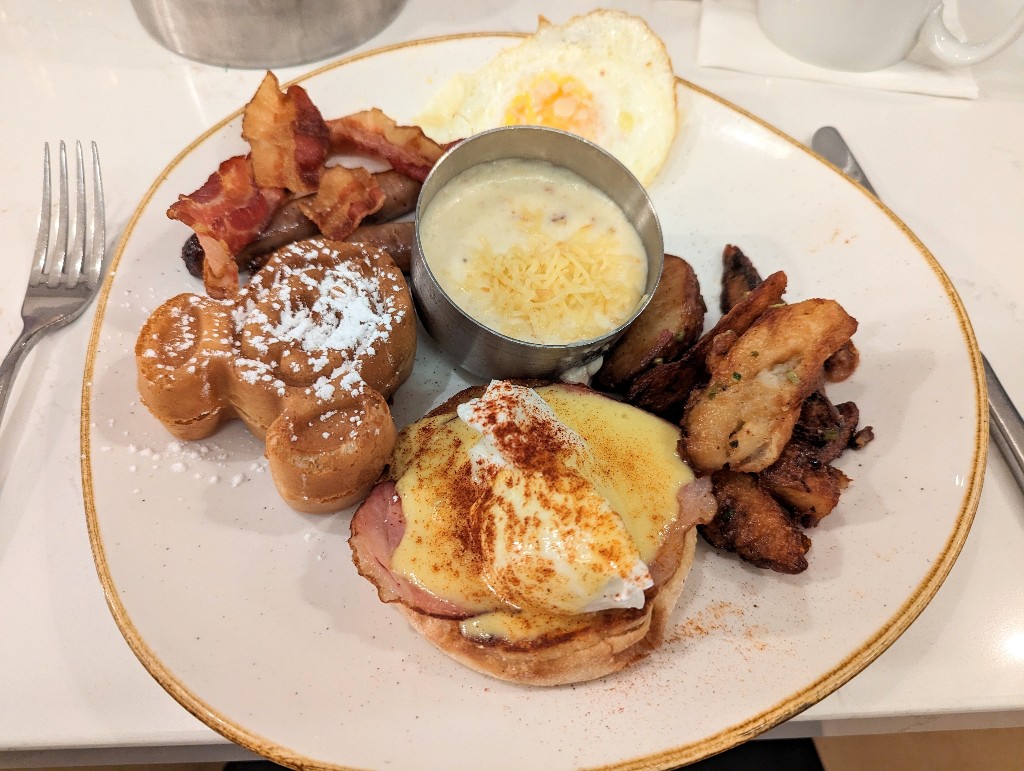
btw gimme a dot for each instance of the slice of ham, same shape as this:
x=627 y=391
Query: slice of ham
x=379 y=524
x=406 y=148
x=697 y=506
x=228 y=212
x=376 y=530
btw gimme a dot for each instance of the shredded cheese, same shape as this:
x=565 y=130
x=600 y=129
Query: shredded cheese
x=554 y=289
x=534 y=251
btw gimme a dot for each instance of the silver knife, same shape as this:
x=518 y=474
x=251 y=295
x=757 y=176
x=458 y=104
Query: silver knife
x=830 y=145
x=1005 y=422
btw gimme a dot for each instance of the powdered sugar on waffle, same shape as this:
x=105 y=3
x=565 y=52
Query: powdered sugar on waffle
x=350 y=314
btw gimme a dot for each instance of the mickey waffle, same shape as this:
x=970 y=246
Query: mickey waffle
x=306 y=354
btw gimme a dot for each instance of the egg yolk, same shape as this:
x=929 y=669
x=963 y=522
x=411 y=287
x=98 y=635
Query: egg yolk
x=556 y=101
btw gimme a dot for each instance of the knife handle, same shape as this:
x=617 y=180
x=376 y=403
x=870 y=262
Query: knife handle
x=1006 y=424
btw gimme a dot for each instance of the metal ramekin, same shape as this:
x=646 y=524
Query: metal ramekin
x=481 y=350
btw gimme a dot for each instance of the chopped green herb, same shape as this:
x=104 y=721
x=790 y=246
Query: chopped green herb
x=755 y=354
x=830 y=433
x=792 y=377
x=737 y=376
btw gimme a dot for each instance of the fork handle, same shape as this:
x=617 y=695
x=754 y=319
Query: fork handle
x=12 y=362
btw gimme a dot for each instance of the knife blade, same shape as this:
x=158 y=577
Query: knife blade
x=1005 y=422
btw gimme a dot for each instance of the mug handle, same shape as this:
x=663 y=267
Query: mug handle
x=955 y=52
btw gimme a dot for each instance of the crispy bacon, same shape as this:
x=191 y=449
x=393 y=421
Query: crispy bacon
x=406 y=148
x=345 y=197
x=227 y=212
x=220 y=272
x=288 y=137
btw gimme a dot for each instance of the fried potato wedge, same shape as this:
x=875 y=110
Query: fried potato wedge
x=669 y=325
x=752 y=524
x=806 y=486
x=841 y=364
x=802 y=479
x=746 y=413
x=825 y=426
x=739 y=276
x=664 y=388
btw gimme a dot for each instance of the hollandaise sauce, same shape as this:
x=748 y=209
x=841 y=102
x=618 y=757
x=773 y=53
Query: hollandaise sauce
x=531 y=508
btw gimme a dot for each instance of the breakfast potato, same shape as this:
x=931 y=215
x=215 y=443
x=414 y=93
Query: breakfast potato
x=802 y=479
x=668 y=326
x=841 y=364
x=739 y=276
x=746 y=413
x=752 y=524
x=828 y=427
x=803 y=485
x=665 y=388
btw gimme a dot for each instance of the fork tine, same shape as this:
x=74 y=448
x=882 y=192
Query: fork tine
x=97 y=251
x=73 y=264
x=55 y=263
x=43 y=237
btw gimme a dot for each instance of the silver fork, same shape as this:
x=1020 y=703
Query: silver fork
x=67 y=268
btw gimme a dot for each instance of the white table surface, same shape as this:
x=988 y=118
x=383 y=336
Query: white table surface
x=70 y=688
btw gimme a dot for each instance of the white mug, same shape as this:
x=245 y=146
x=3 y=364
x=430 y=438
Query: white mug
x=864 y=35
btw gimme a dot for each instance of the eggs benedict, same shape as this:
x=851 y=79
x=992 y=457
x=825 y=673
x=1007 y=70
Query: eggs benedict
x=537 y=534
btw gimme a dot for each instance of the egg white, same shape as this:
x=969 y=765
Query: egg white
x=604 y=76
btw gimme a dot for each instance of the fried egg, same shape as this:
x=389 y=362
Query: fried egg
x=604 y=76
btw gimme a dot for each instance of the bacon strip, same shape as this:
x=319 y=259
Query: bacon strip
x=288 y=137
x=345 y=197
x=227 y=212
x=377 y=528
x=406 y=148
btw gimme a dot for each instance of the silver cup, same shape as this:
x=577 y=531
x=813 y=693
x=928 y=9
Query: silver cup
x=479 y=349
x=263 y=33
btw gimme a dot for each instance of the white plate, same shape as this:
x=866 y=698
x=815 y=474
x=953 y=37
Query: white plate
x=252 y=615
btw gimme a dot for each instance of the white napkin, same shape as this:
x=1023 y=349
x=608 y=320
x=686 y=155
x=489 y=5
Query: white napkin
x=730 y=38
